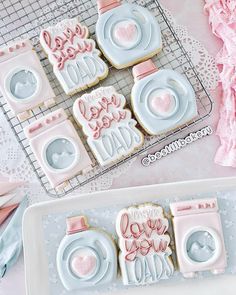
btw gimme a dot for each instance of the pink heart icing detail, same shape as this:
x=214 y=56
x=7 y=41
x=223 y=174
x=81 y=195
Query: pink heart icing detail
x=83 y=265
x=162 y=104
x=126 y=33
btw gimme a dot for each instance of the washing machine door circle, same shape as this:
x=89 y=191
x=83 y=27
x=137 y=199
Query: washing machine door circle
x=60 y=154
x=202 y=245
x=23 y=84
x=84 y=263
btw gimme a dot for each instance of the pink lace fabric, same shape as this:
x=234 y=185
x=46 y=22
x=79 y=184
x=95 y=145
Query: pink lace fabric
x=222 y=17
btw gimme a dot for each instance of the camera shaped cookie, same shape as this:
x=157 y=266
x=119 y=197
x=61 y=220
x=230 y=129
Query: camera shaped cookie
x=58 y=148
x=162 y=100
x=127 y=33
x=86 y=257
x=23 y=81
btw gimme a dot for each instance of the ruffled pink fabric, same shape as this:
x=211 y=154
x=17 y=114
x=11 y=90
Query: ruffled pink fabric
x=222 y=17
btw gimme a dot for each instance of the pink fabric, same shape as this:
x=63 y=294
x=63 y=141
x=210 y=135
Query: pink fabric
x=6 y=212
x=222 y=17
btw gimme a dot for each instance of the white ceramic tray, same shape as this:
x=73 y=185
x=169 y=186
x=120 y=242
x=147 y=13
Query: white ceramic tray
x=36 y=259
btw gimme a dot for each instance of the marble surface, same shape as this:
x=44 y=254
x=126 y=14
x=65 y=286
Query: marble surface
x=193 y=162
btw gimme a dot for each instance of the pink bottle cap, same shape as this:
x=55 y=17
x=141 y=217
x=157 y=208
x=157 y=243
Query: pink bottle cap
x=144 y=69
x=105 y=5
x=76 y=224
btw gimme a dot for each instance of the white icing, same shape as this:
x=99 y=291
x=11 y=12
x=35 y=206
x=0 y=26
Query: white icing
x=128 y=33
x=82 y=70
x=181 y=109
x=115 y=141
x=144 y=250
x=86 y=244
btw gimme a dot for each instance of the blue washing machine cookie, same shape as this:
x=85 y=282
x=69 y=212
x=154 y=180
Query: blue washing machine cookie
x=127 y=33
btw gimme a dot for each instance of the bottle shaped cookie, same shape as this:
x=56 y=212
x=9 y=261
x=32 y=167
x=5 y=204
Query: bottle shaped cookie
x=126 y=33
x=86 y=256
x=162 y=100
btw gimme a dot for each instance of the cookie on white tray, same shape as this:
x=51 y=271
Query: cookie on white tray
x=145 y=255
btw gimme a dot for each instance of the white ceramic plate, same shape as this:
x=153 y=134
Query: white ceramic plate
x=36 y=265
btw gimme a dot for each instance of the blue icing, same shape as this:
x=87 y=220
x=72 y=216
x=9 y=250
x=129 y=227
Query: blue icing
x=128 y=33
x=201 y=246
x=96 y=251
x=183 y=106
x=23 y=84
x=60 y=153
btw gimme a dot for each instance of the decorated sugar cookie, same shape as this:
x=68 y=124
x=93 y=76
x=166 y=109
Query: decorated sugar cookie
x=75 y=59
x=199 y=237
x=126 y=33
x=110 y=130
x=86 y=257
x=162 y=100
x=145 y=255
x=23 y=82
x=58 y=148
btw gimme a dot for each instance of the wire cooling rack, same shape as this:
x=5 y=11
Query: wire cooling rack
x=26 y=18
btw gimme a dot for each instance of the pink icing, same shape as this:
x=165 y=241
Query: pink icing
x=35 y=127
x=99 y=116
x=106 y=5
x=162 y=104
x=76 y=224
x=6 y=212
x=223 y=22
x=48 y=120
x=144 y=69
x=63 y=53
x=126 y=33
x=139 y=236
x=9 y=51
x=83 y=265
x=16 y=47
x=194 y=206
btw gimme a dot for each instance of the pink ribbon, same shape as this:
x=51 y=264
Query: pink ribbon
x=222 y=18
